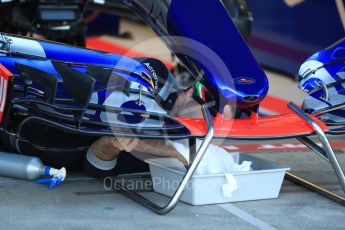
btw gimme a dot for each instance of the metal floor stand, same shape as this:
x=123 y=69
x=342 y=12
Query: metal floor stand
x=162 y=210
x=326 y=152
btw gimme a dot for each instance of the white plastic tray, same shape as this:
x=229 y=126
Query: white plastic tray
x=264 y=182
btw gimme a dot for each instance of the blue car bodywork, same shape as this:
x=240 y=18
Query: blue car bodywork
x=63 y=90
x=91 y=94
x=323 y=78
x=235 y=78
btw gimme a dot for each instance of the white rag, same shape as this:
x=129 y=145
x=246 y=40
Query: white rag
x=215 y=161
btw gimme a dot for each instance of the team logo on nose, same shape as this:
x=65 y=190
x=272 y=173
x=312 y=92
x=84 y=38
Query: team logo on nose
x=244 y=80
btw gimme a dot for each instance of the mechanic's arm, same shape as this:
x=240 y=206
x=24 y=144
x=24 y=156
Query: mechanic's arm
x=109 y=148
x=158 y=148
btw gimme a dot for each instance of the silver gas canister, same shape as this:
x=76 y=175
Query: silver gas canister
x=29 y=168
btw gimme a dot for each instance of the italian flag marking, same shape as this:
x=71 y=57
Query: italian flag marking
x=200 y=90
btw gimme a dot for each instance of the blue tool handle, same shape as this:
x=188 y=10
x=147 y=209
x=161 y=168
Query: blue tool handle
x=51 y=181
x=44 y=181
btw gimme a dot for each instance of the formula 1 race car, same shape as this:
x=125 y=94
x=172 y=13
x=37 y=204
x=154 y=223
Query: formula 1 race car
x=51 y=90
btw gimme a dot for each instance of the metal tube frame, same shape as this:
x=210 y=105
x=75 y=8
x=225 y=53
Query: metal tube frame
x=327 y=148
x=162 y=210
x=314 y=147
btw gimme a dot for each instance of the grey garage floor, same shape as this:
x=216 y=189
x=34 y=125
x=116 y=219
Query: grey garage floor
x=83 y=203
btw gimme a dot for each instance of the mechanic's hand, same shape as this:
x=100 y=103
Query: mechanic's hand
x=186 y=106
x=126 y=144
x=158 y=148
x=228 y=114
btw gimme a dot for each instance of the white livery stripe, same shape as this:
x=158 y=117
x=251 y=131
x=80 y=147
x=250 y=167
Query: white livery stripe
x=26 y=46
x=4 y=93
x=1 y=89
x=101 y=2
